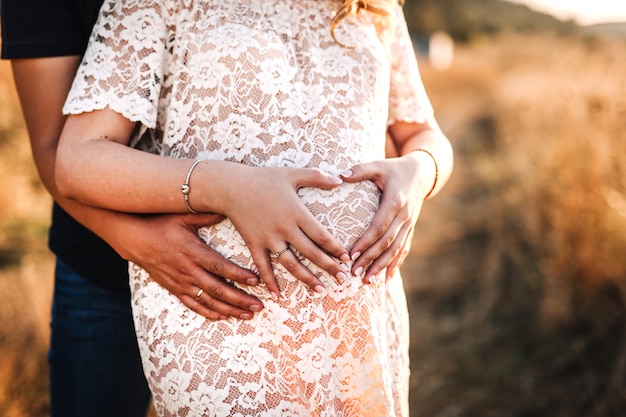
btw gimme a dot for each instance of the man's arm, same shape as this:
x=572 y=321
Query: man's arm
x=42 y=85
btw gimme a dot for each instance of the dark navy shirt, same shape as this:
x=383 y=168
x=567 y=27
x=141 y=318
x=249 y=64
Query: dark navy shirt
x=48 y=28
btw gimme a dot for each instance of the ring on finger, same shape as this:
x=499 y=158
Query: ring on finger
x=276 y=255
x=199 y=293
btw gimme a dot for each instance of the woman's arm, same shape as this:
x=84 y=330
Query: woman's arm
x=422 y=169
x=96 y=166
x=42 y=86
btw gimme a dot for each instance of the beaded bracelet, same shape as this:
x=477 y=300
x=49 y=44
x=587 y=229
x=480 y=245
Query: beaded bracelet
x=436 y=170
x=186 y=189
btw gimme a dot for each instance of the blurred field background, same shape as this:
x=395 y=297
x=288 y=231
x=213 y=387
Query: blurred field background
x=517 y=278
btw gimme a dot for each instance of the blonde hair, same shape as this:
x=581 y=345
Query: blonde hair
x=380 y=7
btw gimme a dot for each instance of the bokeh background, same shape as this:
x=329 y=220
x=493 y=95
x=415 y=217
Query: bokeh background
x=517 y=277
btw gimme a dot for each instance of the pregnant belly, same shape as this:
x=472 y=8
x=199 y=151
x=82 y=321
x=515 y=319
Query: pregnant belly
x=345 y=211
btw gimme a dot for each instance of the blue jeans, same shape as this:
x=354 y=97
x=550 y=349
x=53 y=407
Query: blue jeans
x=95 y=368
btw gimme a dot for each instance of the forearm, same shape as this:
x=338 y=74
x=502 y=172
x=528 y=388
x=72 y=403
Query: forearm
x=109 y=225
x=110 y=175
x=438 y=159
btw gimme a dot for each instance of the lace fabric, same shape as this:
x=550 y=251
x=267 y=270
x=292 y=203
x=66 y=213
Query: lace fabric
x=262 y=83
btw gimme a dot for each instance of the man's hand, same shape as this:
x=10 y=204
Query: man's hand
x=169 y=249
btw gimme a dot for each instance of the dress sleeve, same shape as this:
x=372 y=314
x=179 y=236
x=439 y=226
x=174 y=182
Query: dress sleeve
x=408 y=101
x=123 y=66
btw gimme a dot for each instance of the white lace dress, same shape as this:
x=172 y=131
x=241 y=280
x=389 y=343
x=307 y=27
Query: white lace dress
x=261 y=82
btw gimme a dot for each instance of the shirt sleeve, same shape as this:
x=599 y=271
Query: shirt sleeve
x=123 y=66
x=408 y=101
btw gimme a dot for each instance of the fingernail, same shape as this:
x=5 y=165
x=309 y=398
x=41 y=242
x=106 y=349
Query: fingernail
x=345 y=257
x=358 y=271
x=252 y=281
x=245 y=316
x=335 y=180
x=274 y=295
x=341 y=277
x=347 y=173
x=367 y=280
x=319 y=289
x=356 y=255
x=256 y=308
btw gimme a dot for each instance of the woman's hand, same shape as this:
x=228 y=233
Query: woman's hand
x=398 y=260
x=169 y=249
x=265 y=208
x=404 y=181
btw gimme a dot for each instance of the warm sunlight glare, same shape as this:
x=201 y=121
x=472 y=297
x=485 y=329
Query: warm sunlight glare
x=583 y=11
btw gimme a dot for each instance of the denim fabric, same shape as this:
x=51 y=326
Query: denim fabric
x=95 y=368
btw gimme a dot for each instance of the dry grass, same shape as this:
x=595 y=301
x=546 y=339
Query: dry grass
x=516 y=281
x=26 y=267
x=518 y=286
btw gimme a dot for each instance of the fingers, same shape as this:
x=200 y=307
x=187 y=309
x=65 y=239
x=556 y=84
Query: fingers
x=307 y=177
x=397 y=261
x=363 y=251
x=377 y=257
x=291 y=262
x=217 y=265
x=316 y=233
x=261 y=259
x=393 y=267
x=218 y=299
x=211 y=270
x=221 y=301
x=393 y=222
x=387 y=237
x=322 y=259
x=212 y=261
x=195 y=266
x=368 y=171
x=316 y=243
x=387 y=211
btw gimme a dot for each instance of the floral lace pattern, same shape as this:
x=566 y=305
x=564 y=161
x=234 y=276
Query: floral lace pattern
x=262 y=83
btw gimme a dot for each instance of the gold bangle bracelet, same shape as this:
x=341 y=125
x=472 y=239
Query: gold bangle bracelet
x=436 y=170
x=186 y=189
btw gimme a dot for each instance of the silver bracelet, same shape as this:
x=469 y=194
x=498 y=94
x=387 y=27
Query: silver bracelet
x=186 y=189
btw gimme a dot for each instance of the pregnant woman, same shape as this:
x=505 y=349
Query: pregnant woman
x=258 y=111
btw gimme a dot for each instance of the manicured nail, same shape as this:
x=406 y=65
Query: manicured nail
x=358 y=271
x=341 y=277
x=252 y=281
x=355 y=256
x=319 y=289
x=274 y=295
x=345 y=257
x=347 y=173
x=256 y=308
x=335 y=180
x=245 y=316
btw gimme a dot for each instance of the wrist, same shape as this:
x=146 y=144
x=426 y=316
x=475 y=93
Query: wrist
x=429 y=169
x=185 y=188
x=217 y=185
